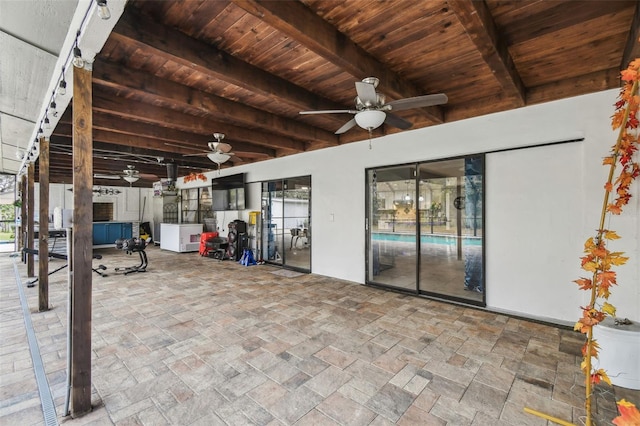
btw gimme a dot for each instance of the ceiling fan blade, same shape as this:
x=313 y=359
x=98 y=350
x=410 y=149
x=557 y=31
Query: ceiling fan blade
x=105 y=176
x=367 y=93
x=175 y=145
x=329 y=111
x=395 y=121
x=200 y=154
x=418 y=102
x=219 y=146
x=347 y=126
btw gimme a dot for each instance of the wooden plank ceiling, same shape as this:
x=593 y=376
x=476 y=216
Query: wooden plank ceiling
x=174 y=72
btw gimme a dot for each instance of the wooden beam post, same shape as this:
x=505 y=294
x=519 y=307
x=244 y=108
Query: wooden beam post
x=82 y=253
x=23 y=217
x=43 y=228
x=30 y=217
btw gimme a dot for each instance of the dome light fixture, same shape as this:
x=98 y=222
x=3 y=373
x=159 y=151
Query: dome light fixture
x=218 y=157
x=370 y=119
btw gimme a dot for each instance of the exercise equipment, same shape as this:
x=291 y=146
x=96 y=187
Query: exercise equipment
x=217 y=248
x=33 y=282
x=130 y=246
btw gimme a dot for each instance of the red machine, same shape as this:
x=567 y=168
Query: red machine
x=204 y=237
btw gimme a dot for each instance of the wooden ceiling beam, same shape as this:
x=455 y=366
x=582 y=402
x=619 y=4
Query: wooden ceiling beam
x=128 y=153
x=144 y=85
x=142 y=141
x=298 y=22
x=235 y=134
x=632 y=47
x=136 y=29
x=130 y=110
x=479 y=25
x=576 y=86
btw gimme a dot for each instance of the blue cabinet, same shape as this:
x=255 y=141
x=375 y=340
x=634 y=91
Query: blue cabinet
x=107 y=233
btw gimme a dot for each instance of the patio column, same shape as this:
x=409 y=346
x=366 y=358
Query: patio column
x=43 y=227
x=30 y=217
x=82 y=253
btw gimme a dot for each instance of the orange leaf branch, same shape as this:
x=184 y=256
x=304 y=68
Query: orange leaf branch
x=598 y=259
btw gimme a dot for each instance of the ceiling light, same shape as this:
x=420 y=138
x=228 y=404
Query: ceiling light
x=103 y=9
x=62 y=87
x=370 y=119
x=47 y=123
x=52 y=108
x=78 y=62
x=130 y=178
x=218 y=157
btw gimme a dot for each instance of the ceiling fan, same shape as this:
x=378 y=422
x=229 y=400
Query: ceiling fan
x=219 y=152
x=130 y=174
x=371 y=110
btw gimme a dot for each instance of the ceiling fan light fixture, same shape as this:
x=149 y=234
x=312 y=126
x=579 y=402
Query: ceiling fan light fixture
x=370 y=119
x=130 y=178
x=218 y=157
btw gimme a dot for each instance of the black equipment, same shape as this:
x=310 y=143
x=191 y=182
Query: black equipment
x=238 y=239
x=217 y=247
x=33 y=282
x=133 y=245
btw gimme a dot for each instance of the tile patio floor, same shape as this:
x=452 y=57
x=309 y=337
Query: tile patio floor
x=194 y=341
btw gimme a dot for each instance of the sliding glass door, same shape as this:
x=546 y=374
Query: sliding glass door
x=425 y=228
x=392 y=255
x=286 y=222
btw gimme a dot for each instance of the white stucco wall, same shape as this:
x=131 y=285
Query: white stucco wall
x=542 y=203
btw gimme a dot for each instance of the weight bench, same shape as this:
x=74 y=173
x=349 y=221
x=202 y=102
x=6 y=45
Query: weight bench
x=33 y=282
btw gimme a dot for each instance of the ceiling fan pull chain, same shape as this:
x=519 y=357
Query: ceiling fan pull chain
x=369 y=138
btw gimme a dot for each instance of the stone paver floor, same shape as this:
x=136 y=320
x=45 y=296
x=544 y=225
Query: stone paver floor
x=195 y=341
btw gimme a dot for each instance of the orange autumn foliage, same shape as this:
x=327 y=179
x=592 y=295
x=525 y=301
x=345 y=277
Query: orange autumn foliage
x=193 y=177
x=598 y=260
x=629 y=414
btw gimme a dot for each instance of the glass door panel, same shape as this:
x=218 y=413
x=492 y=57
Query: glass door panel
x=296 y=221
x=392 y=229
x=425 y=228
x=450 y=194
x=286 y=222
x=272 y=244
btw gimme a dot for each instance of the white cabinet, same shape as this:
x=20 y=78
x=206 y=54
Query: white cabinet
x=180 y=237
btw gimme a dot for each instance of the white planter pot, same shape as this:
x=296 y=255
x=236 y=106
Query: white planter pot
x=619 y=352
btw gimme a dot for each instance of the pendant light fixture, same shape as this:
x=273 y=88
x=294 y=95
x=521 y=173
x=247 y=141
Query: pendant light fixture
x=103 y=9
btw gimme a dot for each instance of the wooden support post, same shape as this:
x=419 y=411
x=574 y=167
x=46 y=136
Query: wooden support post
x=43 y=228
x=82 y=254
x=23 y=217
x=30 y=217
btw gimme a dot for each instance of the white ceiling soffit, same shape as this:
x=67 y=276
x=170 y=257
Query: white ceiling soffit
x=31 y=35
x=37 y=37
